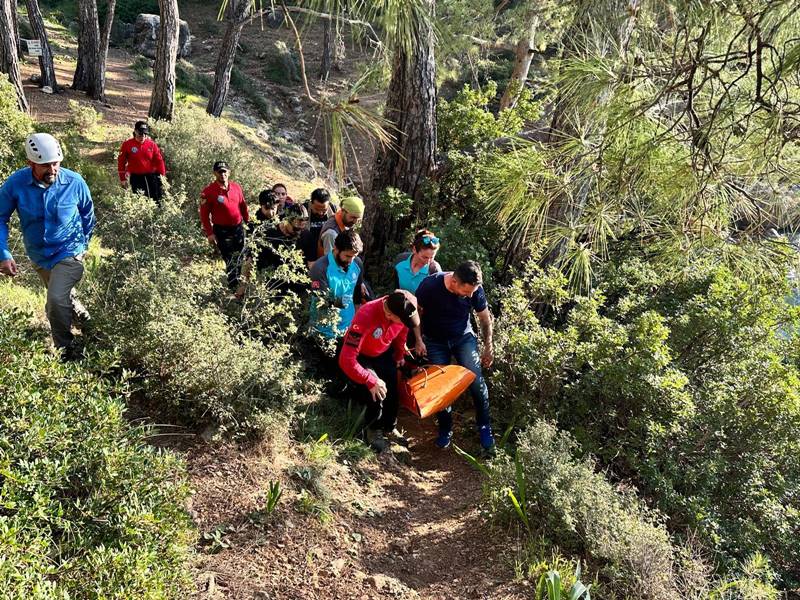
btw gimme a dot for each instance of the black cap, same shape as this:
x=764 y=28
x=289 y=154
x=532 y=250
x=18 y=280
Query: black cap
x=221 y=165
x=141 y=127
x=403 y=304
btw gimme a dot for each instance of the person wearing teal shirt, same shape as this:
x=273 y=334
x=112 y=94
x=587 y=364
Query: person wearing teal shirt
x=410 y=268
x=337 y=281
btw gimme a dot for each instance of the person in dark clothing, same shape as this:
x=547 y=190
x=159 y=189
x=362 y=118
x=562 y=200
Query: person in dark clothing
x=140 y=161
x=284 y=235
x=267 y=207
x=223 y=212
x=320 y=209
x=446 y=301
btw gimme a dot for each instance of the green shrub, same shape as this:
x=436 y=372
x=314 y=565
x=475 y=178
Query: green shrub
x=14 y=126
x=580 y=511
x=157 y=301
x=88 y=509
x=189 y=156
x=677 y=383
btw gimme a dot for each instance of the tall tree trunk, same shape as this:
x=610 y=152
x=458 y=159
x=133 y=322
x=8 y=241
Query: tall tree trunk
x=568 y=208
x=523 y=56
x=105 y=40
x=411 y=110
x=40 y=33
x=87 y=76
x=9 y=59
x=328 y=51
x=15 y=18
x=162 y=101
x=238 y=11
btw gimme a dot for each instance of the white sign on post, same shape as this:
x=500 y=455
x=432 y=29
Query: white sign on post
x=34 y=47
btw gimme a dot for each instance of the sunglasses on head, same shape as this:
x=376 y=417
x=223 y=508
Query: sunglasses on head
x=430 y=240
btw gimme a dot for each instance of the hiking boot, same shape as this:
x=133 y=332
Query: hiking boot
x=443 y=439
x=398 y=437
x=376 y=440
x=487 y=439
x=71 y=353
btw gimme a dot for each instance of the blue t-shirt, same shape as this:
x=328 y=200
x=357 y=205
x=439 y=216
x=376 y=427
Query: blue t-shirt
x=445 y=316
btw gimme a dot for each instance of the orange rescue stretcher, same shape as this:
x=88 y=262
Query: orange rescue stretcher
x=432 y=388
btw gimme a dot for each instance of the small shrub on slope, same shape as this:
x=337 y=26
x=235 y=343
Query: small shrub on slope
x=156 y=300
x=14 y=126
x=87 y=509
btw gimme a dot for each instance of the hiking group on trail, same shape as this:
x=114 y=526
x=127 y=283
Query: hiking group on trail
x=426 y=319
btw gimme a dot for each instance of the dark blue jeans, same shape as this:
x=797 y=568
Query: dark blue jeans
x=465 y=352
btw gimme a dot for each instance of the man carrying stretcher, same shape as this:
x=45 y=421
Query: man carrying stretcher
x=373 y=349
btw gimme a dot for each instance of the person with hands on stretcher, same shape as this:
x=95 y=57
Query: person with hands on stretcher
x=373 y=349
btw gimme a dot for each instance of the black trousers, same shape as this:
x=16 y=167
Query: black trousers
x=380 y=415
x=149 y=184
x=230 y=241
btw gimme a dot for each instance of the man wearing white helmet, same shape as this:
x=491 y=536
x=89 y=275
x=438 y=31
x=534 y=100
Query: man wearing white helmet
x=56 y=216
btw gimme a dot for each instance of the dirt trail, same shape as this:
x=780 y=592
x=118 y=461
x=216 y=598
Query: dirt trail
x=397 y=530
x=127 y=100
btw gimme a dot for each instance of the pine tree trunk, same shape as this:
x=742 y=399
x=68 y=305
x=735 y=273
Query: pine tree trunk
x=40 y=33
x=328 y=51
x=522 y=65
x=411 y=109
x=162 y=101
x=15 y=18
x=9 y=58
x=238 y=12
x=88 y=77
x=105 y=40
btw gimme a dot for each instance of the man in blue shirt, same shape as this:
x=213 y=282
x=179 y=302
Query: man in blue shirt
x=56 y=216
x=445 y=303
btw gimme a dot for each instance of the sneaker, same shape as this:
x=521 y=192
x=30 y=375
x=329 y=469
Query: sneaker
x=398 y=438
x=376 y=440
x=443 y=439
x=487 y=439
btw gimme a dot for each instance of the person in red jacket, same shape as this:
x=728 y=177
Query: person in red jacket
x=373 y=349
x=141 y=160
x=223 y=212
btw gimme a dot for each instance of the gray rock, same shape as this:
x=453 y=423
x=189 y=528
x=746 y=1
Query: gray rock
x=122 y=33
x=145 y=36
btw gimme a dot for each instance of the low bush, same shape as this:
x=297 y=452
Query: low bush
x=87 y=509
x=14 y=126
x=157 y=300
x=564 y=501
x=677 y=383
x=189 y=156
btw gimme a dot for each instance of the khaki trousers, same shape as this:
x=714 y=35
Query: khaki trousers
x=61 y=300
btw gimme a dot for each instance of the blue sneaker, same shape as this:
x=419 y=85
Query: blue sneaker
x=487 y=439
x=443 y=439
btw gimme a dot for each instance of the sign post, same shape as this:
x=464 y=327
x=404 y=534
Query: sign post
x=34 y=47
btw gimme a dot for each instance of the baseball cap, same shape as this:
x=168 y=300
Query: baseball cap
x=221 y=165
x=141 y=127
x=404 y=305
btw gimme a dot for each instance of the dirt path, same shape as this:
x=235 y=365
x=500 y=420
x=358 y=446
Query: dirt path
x=127 y=100
x=397 y=531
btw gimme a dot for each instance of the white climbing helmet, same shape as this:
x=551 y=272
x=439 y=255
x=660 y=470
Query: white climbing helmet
x=43 y=148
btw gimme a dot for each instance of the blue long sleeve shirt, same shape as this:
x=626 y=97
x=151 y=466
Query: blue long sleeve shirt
x=57 y=221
